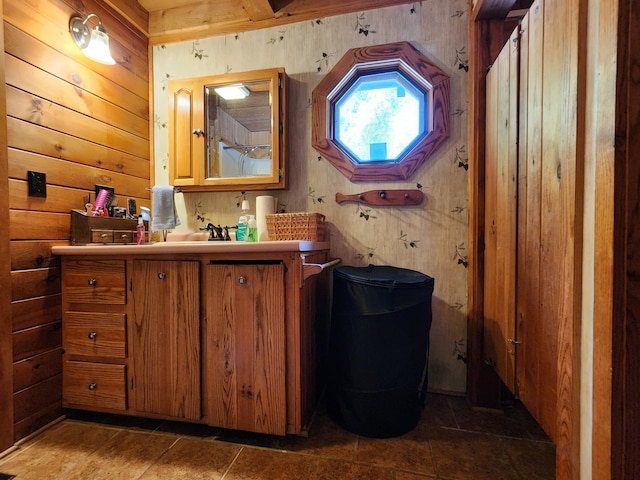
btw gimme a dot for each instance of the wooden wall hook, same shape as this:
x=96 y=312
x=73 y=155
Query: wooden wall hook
x=384 y=197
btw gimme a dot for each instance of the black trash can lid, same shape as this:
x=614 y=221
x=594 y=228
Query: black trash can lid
x=383 y=275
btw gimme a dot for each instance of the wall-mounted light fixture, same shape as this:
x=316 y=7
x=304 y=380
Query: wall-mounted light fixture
x=233 y=92
x=94 y=43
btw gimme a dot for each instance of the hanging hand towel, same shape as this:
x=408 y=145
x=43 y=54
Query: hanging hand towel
x=164 y=215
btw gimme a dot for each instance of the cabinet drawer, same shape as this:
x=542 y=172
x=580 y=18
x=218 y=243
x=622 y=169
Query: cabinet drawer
x=94 y=385
x=94 y=281
x=124 y=236
x=95 y=334
x=101 y=236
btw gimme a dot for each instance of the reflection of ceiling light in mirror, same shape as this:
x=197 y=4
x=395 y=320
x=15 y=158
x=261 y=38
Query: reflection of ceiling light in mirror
x=232 y=92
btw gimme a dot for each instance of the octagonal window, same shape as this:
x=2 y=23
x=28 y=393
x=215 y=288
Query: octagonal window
x=380 y=117
x=381 y=112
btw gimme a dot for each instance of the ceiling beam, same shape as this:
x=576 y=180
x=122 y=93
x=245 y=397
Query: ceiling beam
x=221 y=17
x=258 y=9
x=492 y=9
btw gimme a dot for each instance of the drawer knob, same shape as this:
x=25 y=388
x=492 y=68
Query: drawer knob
x=92 y=282
x=93 y=386
x=104 y=235
x=162 y=275
x=242 y=280
x=92 y=335
x=123 y=235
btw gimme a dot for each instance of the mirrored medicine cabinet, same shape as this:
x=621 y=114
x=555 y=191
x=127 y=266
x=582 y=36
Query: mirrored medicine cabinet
x=227 y=132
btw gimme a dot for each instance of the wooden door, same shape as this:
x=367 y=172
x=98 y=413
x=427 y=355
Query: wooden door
x=186 y=143
x=501 y=213
x=245 y=347
x=165 y=338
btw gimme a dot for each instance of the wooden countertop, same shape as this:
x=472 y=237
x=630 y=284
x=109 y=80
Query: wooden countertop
x=192 y=247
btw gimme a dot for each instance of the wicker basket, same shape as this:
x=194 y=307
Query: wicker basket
x=308 y=226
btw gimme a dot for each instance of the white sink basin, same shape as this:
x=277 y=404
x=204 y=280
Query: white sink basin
x=187 y=236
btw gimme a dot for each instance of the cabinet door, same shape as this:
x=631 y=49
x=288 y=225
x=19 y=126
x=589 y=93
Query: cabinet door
x=245 y=347
x=186 y=143
x=165 y=338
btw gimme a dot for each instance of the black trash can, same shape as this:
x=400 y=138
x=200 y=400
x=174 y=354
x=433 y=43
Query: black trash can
x=378 y=349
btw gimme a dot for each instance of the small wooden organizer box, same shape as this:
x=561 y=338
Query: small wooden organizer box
x=308 y=226
x=103 y=230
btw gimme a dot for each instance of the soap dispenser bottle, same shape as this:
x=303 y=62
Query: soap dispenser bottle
x=241 y=231
x=252 y=229
x=140 y=232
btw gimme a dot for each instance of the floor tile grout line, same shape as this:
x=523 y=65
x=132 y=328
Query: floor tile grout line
x=228 y=469
x=497 y=435
x=453 y=413
x=159 y=457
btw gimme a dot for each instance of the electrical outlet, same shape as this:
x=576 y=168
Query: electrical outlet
x=37 y=184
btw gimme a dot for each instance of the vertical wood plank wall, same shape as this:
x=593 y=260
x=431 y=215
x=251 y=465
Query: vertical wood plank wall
x=81 y=123
x=501 y=171
x=6 y=384
x=598 y=275
x=549 y=222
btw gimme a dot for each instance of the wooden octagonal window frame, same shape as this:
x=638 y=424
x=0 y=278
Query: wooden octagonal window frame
x=355 y=63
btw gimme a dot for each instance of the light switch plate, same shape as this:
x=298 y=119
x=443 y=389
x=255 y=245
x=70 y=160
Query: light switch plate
x=37 y=184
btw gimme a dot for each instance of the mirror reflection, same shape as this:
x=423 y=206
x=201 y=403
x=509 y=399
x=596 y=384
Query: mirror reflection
x=239 y=130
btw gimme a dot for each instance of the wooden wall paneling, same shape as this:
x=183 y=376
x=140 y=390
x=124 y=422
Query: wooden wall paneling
x=81 y=123
x=33 y=225
x=561 y=234
x=486 y=39
x=84 y=78
x=59 y=91
x=523 y=375
x=500 y=212
x=533 y=369
x=59 y=199
x=45 y=281
x=492 y=333
x=599 y=235
x=508 y=246
x=34 y=254
x=36 y=340
x=76 y=175
x=625 y=411
x=47 y=21
x=37 y=368
x=6 y=349
x=38 y=398
x=41 y=418
x=31 y=108
x=36 y=310
x=34 y=138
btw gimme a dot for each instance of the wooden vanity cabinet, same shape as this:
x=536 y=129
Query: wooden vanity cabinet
x=245 y=346
x=165 y=338
x=94 y=334
x=225 y=339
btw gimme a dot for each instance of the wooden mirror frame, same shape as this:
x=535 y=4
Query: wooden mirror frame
x=187 y=136
x=410 y=62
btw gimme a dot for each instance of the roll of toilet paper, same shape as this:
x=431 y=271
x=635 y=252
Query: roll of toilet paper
x=264 y=206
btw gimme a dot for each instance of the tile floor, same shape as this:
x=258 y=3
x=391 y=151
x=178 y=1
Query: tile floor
x=450 y=442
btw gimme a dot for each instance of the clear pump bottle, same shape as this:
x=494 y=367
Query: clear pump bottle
x=140 y=232
x=252 y=229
